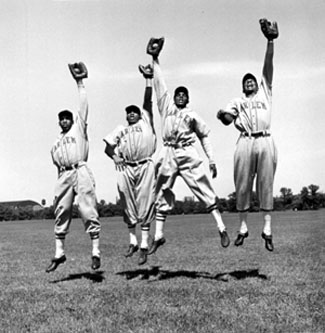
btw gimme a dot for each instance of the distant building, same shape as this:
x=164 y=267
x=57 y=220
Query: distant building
x=22 y=204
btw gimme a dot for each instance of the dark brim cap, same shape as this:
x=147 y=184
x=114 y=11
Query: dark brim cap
x=181 y=89
x=248 y=76
x=66 y=113
x=132 y=108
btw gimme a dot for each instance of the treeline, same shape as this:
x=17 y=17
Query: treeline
x=309 y=198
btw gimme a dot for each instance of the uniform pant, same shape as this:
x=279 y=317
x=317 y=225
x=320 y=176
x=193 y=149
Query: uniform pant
x=255 y=157
x=184 y=162
x=136 y=187
x=78 y=182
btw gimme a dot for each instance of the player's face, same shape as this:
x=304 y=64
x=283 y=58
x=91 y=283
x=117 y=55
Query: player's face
x=65 y=123
x=181 y=100
x=250 y=87
x=132 y=117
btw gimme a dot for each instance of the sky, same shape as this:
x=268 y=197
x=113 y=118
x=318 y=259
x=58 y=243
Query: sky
x=209 y=46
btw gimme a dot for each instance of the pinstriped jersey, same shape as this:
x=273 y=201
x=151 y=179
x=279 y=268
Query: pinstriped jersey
x=253 y=114
x=71 y=147
x=178 y=125
x=134 y=142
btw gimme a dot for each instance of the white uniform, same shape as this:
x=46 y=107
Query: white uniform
x=70 y=154
x=136 y=183
x=178 y=156
x=256 y=153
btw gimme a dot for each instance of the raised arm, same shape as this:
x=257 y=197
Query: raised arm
x=271 y=32
x=79 y=72
x=147 y=73
x=154 y=48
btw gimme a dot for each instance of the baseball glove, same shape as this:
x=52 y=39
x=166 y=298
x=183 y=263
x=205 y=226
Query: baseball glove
x=78 y=70
x=224 y=117
x=270 y=30
x=155 y=45
x=146 y=71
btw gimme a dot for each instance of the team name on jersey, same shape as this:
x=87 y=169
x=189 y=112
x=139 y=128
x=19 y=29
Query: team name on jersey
x=186 y=118
x=131 y=130
x=64 y=141
x=254 y=105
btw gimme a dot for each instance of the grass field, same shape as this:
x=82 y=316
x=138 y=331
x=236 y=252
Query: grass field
x=192 y=284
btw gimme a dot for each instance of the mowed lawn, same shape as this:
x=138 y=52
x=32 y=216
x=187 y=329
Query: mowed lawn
x=191 y=284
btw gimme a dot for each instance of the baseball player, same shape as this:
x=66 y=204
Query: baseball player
x=131 y=147
x=70 y=154
x=178 y=156
x=256 y=153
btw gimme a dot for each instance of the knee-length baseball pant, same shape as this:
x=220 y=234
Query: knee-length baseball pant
x=255 y=157
x=136 y=187
x=78 y=182
x=184 y=162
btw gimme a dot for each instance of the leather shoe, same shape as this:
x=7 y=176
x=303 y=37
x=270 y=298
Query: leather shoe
x=132 y=248
x=268 y=242
x=156 y=244
x=224 y=238
x=95 y=262
x=240 y=238
x=55 y=262
x=143 y=256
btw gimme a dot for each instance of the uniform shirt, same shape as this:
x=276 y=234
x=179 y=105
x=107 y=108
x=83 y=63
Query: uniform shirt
x=71 y=147
x=178 y=125
x=253 y=114
x=134 y=142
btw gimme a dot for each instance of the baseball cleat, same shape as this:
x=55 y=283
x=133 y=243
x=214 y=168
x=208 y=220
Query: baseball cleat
x=143 y=256
x=95 y=262
x=55 y=262
x=268 y=242
x=132 y=248
x=240 y=238
x=224 y=238
x=156 y=244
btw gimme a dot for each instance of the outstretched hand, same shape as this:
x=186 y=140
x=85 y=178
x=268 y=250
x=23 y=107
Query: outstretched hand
x=78 y=70
x=154 y=46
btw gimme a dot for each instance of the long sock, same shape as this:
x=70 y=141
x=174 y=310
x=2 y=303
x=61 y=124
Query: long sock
x=144 y=239
x=217 y=217
x=243 y=222
x=133 y=236
x=95 y=247
x=59 y=247
x=267 y=223
x=160 y=224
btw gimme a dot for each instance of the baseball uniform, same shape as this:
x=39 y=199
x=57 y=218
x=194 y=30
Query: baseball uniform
x=136 y=143
x=256 y=153
x=178 y=156
x=70 y=154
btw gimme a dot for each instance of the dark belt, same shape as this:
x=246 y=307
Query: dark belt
x=256 y=134
x=136 y=163
x=69 y=168
x=177 y=144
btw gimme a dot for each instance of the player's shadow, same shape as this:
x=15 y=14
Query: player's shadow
x=160 y=274
x=96 y=277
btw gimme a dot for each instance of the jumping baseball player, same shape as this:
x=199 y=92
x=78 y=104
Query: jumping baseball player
x=178 y=156
x=131 y=147
x=256 y=153
x=70 y=154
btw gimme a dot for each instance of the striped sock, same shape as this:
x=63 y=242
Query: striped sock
x=160 y=224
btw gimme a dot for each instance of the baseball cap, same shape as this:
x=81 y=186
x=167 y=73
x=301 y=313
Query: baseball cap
x=181 y=89
x=132 y=108
x=249 y=76
x=66 y=113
